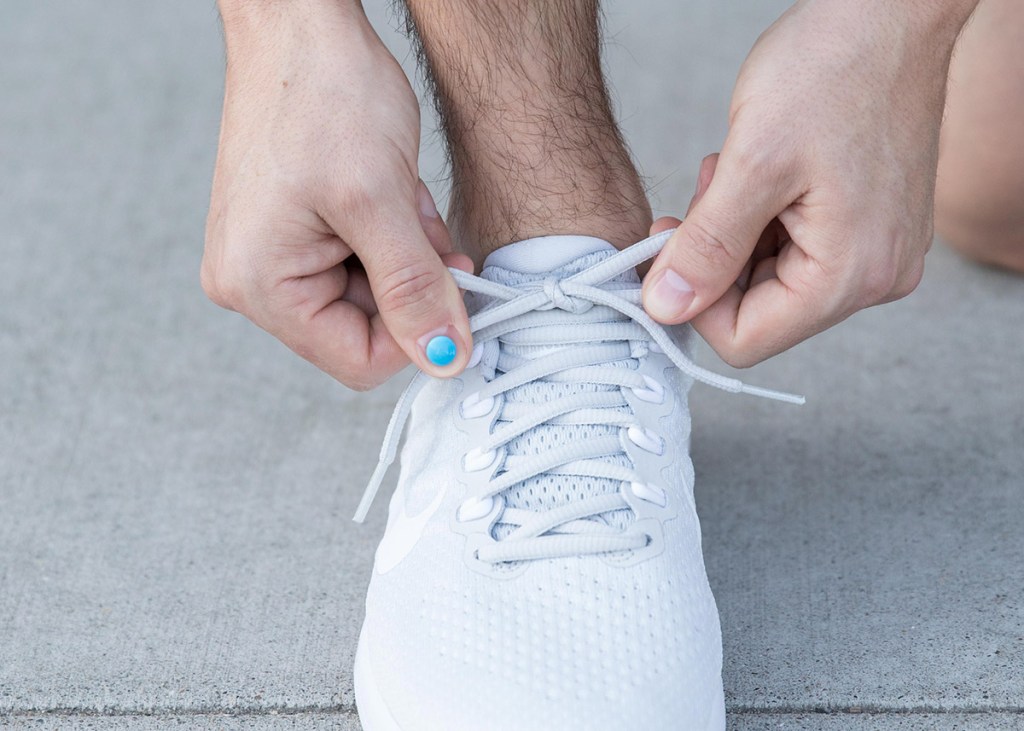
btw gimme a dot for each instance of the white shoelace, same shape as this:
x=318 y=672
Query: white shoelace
x=608 y=326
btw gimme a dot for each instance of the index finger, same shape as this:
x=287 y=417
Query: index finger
x=342 y=338
x=780 y=309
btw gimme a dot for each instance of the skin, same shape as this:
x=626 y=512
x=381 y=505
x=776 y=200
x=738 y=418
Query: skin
x=321 y=232
x=980 y=194
x=525 y=111
x=806 y=218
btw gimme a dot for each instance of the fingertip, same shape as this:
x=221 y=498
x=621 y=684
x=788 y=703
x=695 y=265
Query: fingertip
x=665 y=223
x=460 y=317
x=707 y=171
x=458 y=261
x=667 y=296
x=430 y=219
x=440 y=350
x=425 y=201
x=443 y=352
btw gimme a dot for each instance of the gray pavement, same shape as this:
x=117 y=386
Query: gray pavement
x=175 y=486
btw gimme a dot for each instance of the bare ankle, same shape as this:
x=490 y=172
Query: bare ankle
x=534 y=146
x=486 y=214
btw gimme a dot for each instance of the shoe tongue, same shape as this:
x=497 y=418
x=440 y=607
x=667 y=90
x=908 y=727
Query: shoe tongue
x=524 y=264
x=545 y=256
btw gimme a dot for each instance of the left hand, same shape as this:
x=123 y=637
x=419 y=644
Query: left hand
x=820 y=203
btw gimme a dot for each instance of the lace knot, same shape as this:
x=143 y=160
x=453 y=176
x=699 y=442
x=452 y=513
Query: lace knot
x=560 y=300
x=536 y=536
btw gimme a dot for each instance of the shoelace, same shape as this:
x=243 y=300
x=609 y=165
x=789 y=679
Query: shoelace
x=537 y=316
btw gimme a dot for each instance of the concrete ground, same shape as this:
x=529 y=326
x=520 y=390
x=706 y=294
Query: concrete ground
x=175 y=486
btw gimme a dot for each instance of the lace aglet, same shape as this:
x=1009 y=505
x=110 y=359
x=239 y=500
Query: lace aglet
x=787 y=398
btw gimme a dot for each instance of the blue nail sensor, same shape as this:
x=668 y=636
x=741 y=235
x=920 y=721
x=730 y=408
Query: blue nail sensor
x=441 y=350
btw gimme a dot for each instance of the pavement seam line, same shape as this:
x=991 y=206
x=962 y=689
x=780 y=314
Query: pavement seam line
x=67 y=712
x=870 y=710
x=71 y=711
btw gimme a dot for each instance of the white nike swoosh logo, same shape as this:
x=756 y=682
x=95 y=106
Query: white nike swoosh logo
x=403 y=534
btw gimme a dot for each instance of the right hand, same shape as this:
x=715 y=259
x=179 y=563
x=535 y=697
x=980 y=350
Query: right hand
x=821 y=202
x=317 y=165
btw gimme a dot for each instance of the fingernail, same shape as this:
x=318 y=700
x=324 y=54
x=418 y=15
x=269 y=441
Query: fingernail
x=427 y=206
x=670 y=296
x=439 y=347
x=441 y=350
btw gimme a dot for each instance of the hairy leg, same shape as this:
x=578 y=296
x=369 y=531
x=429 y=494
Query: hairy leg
x=533 y=143
x=979 y=203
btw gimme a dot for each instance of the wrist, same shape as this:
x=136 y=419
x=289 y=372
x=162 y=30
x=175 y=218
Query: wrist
x=935 y=20
x=954 y=12
x=252 y=22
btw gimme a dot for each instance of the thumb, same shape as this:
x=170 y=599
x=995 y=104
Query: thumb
x=417 y=299
x=710 y=247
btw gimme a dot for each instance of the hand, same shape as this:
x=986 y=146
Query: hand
x=317 y=166
x=821 y=201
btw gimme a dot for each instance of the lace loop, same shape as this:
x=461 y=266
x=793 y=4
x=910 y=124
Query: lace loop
x=614 y=328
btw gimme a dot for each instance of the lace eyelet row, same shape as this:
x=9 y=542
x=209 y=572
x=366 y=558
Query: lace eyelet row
x=649 y=493
x=474 y=508
x=653 y=392
x=474 y=407
x=647 y=439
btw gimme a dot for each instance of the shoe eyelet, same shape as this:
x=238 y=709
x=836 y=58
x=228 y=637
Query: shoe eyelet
x=653 y=392
x=649 y=493
x=476 y=459
x=473 y=509
x=473 y=407
x=646 y=439
x=476 y=356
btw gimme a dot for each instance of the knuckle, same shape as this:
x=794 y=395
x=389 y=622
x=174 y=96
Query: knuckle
x=893 y=275
x=362 y=385
x=757 y=158
x=354 y=370
x=410 y=288
x=909 y=281
x=208 y=281
x=362 y=376
x=707 y=242
x=219 y=291
x=355 y=198
x=226 y=288
x=738 y=358
x=735 y=348
x=226 y=273
x=227 y=281
x=747 y=347
x=303 y=348
x=360 y=192
x=877 y=282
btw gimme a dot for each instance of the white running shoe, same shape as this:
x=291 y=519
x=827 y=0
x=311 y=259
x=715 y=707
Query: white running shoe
x=542 y=567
